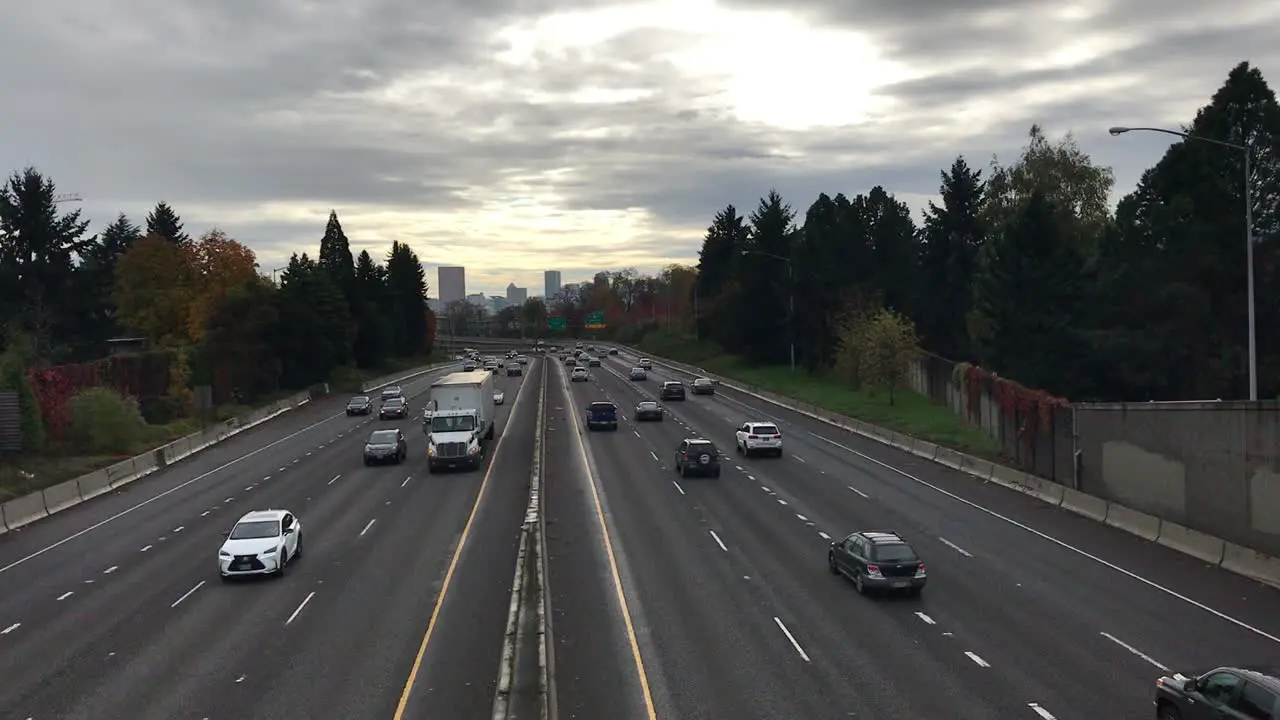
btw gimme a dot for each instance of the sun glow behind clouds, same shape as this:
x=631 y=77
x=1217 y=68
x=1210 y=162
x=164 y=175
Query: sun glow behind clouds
x=821 y=78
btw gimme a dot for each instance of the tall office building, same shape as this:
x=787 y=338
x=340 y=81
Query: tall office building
x=551 y=279
x=516 y=295
x=452 y=283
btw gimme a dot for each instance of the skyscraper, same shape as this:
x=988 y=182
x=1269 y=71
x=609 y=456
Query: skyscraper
x=551 y=279
x=516 y=295
x=452 y=283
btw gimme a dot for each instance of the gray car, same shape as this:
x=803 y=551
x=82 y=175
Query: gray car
x=648 y=410
x=385 y=446
x=878 y=561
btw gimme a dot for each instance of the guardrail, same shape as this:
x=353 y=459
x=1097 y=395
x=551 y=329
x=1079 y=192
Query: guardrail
x=1208 y=548
x=403 y=376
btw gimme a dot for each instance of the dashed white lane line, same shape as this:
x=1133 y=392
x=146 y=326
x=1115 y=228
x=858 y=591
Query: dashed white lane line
x=719 y=542
x=858 y=491
x=797 y=457
x=654 y=456
x=282 y=469
x=308 y=454
x=803 y=655
x=335 y=479
x=295 y=461
x=682 y=492
x=1152 y=661
x=111 y=569
x=10 y=629
x=266 y=478
x=955 y=547
x=751 y=478
x=180 y=528
x=406 y=481
x=247 y=488
x=206 y=512
x=1041 y=711
x=66 y=595
x=824 y=536
x=636 y=432
x=782 y=502
x=927 y=620
x=187 y=594
x=305 y=600
x=802 y=518
x=739 y=467
x=145 y=548
x=366 y=527
x=977 y=660
x=228 y=500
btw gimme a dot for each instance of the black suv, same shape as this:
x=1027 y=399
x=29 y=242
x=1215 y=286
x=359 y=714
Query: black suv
x=704 y=386
x=395 y=407
x=671 y=390
x=1235 y=692
x=878 y=561
x=697 y=457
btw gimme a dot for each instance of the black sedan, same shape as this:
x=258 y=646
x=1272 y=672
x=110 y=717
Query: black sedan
x=1225 y=692
x=362 y=405
x=648 y=410
x=394 y=409
x=385 y=446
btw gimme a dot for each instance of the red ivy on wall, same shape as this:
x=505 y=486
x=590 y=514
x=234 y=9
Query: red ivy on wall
x=1034 y=407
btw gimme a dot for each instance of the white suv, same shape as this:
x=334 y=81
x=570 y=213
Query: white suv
x=263 y=542
x=759 y=437
x=579 y=374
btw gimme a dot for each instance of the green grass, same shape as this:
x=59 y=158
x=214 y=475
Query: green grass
x=910 y=412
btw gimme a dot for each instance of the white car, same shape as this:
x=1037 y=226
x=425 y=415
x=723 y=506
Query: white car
x=579 y=374
x=759 y=437
x=499 y=397
x=645 y=364
x=263 y=542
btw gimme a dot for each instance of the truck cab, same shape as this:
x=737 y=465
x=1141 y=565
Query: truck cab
x=453 y=440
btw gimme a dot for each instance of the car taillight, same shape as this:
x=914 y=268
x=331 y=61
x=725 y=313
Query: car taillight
x=920 y=570
x=777 y=437
x=873 y=570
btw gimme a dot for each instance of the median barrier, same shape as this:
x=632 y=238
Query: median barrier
x=1131 y=521
x=1191 y=542
x=948 y=457
x=1084 y=504
x=1041 y=489
x=62 y=496
x=94 y=484
x=1251 y=564
x=23 y=511
x=401 y=377
x=977 y=467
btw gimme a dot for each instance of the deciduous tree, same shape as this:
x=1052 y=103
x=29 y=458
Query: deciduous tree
x=154 y=287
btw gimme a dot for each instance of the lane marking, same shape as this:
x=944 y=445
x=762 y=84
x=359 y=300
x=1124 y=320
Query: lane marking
x=802 y=518
x=407 y=691
x=928 y=620
x=654 y=456
x=719 y=542
x=858 y=491
x=803 y=655
x=406 y=481
x=266 y=478
x=781 y=501
x=955 y=547
x=977 y=660
x=682 y=492
x=228 y=500
x=1061 y=543
x=637 y=433
x=824 y=536
x=335 y=478
x=305 y=600
x=66 y=595
x=1041 y=711
x=1152 y=661
x=751 y=478
x=10 y=629
x=145 y=548
x=206 y=512
x=111 y=569
x=187 y=594
x=366 y=527
x=282 y=469
x=180 y=528
x=797 y=457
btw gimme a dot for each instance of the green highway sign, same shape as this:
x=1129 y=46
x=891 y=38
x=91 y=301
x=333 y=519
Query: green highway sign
x=594 y=320
x=555 y=323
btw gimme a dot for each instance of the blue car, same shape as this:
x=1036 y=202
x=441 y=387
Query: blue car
x=602 y=415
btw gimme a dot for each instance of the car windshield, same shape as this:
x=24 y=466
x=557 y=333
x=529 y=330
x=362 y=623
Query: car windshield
x=255 y=529
x=358 y=400
x=453 y=423
x=383 y=437
x=395 y=402
x=699 y=448
x=673 y=384
x=648 y=406
x=702 y=381
x=391 y=391
x=896 y=552
x=602 y=407
x=637 y=370
x=765 y=430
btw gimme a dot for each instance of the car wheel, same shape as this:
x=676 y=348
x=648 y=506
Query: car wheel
x=284 y=563
x=1168 y=712
x=716 y=473
x=225 y=578
x=859 y=585
x=779 y=453
x=367 y=463
x=297 y=551
x=831 y=564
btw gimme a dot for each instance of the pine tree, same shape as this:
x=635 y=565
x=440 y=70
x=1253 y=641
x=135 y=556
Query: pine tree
x=952 y=236
x=335 y=256
x=163 y=221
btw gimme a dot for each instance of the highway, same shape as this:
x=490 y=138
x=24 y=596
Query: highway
x=115 y=609
x=1030 y=612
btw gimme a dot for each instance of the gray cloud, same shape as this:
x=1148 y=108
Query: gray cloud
x=260 y=117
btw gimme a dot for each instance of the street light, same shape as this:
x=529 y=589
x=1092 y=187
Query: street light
x=791 y=298
x=1248 y=235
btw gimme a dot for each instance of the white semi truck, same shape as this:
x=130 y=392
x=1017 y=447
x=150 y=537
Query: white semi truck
x=462 y=416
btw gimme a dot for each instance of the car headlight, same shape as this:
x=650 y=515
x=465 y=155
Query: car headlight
x=431 y=449
x=224 y=554
x=269 y=551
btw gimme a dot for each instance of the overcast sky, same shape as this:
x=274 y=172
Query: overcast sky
x=513 y=136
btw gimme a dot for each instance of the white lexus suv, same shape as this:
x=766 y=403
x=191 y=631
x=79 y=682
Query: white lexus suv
x=263 y=542
x=759 y=437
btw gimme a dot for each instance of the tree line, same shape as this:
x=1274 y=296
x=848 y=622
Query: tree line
x=64 y=294
x=1022 y=268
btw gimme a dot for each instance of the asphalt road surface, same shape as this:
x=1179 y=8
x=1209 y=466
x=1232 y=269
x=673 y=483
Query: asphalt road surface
x=114 y=609
x=1030 y=612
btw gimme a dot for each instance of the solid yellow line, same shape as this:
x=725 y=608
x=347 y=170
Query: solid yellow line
x=448 y=576
x=617 y=586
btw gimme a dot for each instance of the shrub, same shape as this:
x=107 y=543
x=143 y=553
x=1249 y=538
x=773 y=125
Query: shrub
x=105 y=422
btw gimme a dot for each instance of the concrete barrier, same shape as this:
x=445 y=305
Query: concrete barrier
x=121 y=473
x=977 y=467
x=1191 y=542
x=1009 y=477
x=948 y=457
x=1251 y=564
x=94 y=484
x=925 y=449
x=20 y=512
x=1131 y=521
x=1083 y=504
x=1041 y=489
x=62 y=496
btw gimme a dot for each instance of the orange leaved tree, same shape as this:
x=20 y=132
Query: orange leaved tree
x=218 y=264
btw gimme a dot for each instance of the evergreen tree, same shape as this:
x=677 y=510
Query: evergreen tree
x=374 y=329
x=894 y=247
x=335 y=256
x=717 y=261
x=315 y=331
x=164 y=222
x=767 y=281
x=407 y=287
x=952 y=236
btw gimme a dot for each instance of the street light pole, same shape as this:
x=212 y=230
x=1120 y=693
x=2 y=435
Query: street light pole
x=791 y=298
x=1248 y=235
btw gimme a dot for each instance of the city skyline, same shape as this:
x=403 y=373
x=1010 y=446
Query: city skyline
x=534 y=284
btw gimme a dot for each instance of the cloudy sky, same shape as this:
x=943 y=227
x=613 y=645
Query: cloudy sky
x=513 y=136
